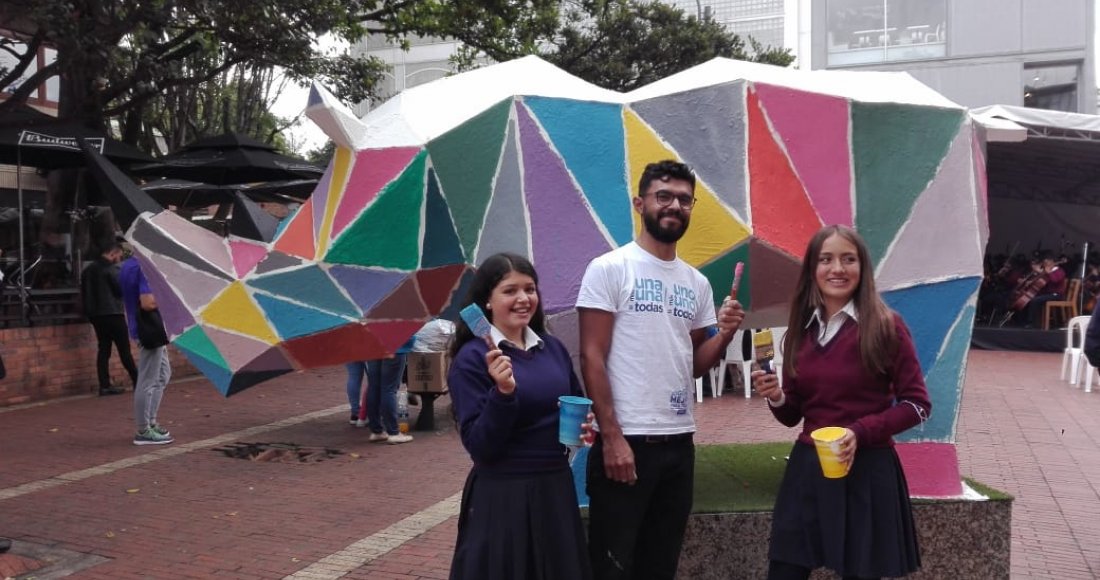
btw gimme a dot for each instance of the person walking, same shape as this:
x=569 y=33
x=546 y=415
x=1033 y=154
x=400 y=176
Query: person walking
x=102 y=300
x=154 y=368
x=519 y=516
x=850 y=362
x=383 y=381
x=643 y=315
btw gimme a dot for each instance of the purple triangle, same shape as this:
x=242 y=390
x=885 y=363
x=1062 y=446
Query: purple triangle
x=564 y=235
x=175 y=314
x=271 y=360
x=320 y=199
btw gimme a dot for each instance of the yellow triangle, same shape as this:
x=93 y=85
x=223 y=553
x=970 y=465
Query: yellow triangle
x=713 y=229
x=342 y=162
x=234 y=310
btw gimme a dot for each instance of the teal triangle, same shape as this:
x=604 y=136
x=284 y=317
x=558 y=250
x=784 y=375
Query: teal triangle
x=292 y=320
x=441 y=243
x=719 y=272
x=930 y=310
x=944 y=381
x=387 y=234
x=897 y=150
x=220 y=376
x=589 y=137
x=465 y=159
x=310 y=285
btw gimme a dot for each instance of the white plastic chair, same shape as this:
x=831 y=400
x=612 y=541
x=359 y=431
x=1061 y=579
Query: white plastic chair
x=1089 y=372
x=734 y=356
x=713 y=373
x=1075 y=341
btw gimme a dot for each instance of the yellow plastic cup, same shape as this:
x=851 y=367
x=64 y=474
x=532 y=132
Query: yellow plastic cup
x=826 y=440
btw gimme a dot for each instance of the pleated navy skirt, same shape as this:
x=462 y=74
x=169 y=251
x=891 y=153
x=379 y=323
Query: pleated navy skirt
x=520 y=527
x=858 y=525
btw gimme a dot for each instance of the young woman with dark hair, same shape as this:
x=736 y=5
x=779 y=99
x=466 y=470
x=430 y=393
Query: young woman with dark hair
x=849 y=362
x=519 y=515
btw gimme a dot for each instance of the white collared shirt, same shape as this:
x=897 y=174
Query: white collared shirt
x=530 y=339
x=827 y=330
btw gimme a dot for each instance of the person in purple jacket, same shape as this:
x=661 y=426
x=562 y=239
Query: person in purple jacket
x=519 y=516
x=849 y=362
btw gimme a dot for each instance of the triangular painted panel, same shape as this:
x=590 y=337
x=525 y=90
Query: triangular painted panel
x=219 y=376
x=205 y=356
x=720 y=274
x=436 y=285
x=441 y=243
x=277 y=261
x=981 y=185
x=776 y=275
x=713 y=229
x=246 y=254
x=504 y=231
x=595 y=156
x=897 y=150
x=946 y=213
x=324 y=186
x=234 y=310
x=403 y=303
x=366 y=286
x=713 y=144
x=352 y=342
x=930 y=310
x=237 y=350
x=374 y=169
x=244 y=379
x=175 y=314
x=324 y=207
x=781 y=212
x=158 y=242
x=271 y=360
x=394 y=334
x=199 y=288
x=292 y=320
x=296 y=238
x=814 y=131
x=564 y=235
x=376 y=238
x=467 y=180
x=200 y=241
x=461 y=291
x=945 y=381
x=307 y=285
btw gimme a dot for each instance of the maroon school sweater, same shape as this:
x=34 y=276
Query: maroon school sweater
x=833 y=389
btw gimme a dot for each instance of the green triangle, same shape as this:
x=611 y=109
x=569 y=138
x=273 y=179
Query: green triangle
x=720 y=273
x=897 y=150
x=196 y=341
x=388 y=232
x=465 y=159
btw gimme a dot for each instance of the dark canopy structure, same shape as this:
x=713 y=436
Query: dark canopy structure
x=230 y=158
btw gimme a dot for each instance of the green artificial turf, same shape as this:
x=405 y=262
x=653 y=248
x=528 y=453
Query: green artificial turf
x=738 y=477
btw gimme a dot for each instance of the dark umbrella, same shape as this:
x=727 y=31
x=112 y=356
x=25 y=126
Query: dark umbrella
x=31 y=138
x=184 y=193
x=230 y=158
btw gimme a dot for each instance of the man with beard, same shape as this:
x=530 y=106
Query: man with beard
x=644 y=315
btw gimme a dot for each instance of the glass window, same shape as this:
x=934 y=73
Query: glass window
x=869 y=31
x=1051 y=87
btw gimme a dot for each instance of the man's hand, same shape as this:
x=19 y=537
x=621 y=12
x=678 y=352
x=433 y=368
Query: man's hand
x=730 y=316
x=618 y=460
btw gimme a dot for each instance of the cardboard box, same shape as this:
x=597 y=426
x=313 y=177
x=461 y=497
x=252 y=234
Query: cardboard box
x=427 y=372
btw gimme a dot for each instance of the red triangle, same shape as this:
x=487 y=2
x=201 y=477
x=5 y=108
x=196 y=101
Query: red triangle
x=297 y=238
x=437 y=284
x=394 y=334
x=347 y=343
x=402 y=304
x=781 y=212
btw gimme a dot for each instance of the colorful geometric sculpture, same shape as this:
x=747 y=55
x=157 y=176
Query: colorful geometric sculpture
x=523 y=157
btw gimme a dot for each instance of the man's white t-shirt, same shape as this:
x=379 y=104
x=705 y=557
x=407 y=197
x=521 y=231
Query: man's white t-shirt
x=656 y=304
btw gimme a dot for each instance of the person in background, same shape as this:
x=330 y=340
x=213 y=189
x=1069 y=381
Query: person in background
x=519 y=516
x=102 y=298
x=849 y=361
x=154 y=368
x=643 y=315
x=383 y=381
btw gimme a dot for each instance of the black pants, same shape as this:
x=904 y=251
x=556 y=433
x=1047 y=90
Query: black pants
x=111 y=329
x=636 y=531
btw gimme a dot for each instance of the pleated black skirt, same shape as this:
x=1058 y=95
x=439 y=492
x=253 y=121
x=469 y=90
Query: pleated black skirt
x=520 y=527
x=859 y=525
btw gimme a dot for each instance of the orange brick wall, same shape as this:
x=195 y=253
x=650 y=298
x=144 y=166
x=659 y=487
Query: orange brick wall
x=48 y=362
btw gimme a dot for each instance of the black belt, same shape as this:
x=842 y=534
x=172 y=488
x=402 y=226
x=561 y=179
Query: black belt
x=674 y=438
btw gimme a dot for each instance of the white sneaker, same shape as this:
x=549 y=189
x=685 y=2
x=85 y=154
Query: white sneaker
x=399 y=438
x=361 y=423
x=378 y=437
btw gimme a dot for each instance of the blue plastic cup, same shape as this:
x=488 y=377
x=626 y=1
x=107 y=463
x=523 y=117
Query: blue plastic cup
x=572 y=412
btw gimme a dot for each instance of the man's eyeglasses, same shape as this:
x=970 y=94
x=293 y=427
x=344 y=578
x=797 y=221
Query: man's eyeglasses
x=664 y=199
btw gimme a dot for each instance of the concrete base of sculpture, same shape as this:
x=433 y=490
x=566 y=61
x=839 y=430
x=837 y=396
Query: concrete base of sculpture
x=959 y=539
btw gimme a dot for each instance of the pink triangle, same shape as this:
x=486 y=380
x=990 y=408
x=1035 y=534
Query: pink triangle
x=814 y=130
x=246 y=254
x=373 y=169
